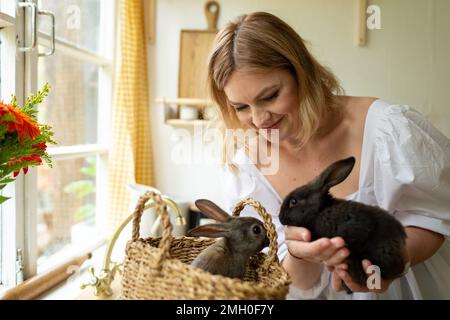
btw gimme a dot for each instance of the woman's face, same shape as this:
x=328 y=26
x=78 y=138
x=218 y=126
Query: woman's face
x=266 y=100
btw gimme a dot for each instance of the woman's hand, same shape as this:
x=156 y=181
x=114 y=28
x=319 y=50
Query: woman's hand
x=379 y=285
x=331 y=252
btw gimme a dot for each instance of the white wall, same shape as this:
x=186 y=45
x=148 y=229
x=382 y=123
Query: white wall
x=407 y=61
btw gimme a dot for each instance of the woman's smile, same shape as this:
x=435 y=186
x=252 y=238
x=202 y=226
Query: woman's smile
x=275 y=125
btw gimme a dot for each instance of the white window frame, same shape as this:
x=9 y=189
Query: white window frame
x=25 y=194
x=13 y=79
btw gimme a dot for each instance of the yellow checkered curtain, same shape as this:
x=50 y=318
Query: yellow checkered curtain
x=130 y=158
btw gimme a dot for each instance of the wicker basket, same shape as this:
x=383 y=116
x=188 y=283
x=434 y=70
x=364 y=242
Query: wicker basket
x=159 y=268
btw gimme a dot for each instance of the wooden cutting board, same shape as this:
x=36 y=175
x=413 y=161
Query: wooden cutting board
x=195 y=47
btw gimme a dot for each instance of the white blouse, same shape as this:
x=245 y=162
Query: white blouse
x=405 y=169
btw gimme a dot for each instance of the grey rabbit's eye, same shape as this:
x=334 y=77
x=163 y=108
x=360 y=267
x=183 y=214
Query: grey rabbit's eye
x=256 y=230
x=293 y=202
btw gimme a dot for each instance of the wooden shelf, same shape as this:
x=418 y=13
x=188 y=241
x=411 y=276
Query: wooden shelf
x=200 y=103
x=6 y=20
x=185 y=123
x=172 y=118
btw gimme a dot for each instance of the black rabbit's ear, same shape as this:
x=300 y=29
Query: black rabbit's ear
x=212 y=210
x=335 y=173
x=214 y=230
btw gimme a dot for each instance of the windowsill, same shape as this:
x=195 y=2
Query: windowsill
x=70 y=289
x=69 y=251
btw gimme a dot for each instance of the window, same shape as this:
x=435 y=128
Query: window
x=63 y=206
x=11 y=81
x=72 y=193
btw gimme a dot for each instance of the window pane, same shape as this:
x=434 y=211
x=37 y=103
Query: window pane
x=8 y=7
x=77 y=21
x=71 y=107
x=66 y=208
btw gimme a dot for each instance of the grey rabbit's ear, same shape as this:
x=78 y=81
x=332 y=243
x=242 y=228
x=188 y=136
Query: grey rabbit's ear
x=214 y=230
x=212 y=210
x=335 y=173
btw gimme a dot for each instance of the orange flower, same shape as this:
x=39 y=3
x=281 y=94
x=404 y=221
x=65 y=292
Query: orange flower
x=26 y=127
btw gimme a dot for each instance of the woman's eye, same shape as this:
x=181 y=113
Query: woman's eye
x=242 y=108
x=271 y=97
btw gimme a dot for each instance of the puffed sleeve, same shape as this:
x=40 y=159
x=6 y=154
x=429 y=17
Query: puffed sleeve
x=412 y=169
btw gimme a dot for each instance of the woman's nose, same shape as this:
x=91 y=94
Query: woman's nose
x=260 y=117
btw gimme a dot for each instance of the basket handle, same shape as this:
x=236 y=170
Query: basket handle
x=161 y=209
x=268 y=224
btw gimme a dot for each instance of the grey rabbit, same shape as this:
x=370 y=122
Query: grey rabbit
x=242 y=237
x=369 y=232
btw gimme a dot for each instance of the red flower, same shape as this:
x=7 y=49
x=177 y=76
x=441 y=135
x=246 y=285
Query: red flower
x=33 y=160
x=40 y=146
x=25 y=170
x=25 y=126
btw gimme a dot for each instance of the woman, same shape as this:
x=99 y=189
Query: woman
x=262 y=77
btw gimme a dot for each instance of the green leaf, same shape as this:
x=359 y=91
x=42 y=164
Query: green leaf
x=91 y=160
x=89 y=171
x=7 y=180
x=80 y=188
x=3 y=199
x=84 y=212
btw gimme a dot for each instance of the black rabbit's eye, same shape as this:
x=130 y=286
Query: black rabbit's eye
x=292 y=202
x=256 y=230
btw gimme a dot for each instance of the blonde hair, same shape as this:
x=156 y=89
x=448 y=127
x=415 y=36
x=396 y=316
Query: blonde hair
x=261 y=41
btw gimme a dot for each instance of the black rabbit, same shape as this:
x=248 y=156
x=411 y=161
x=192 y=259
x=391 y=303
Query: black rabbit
x=242 y=237
x=369 y=232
